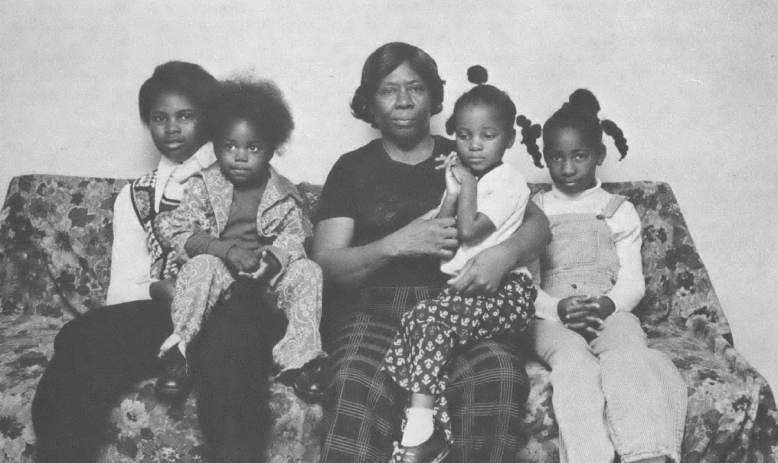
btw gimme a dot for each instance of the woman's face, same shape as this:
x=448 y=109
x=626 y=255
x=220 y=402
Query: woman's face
x=402 y=106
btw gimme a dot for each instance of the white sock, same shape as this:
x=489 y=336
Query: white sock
x=421 y=424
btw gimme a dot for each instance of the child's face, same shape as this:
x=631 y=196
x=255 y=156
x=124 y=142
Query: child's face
x=175 y=125
x=482 y=137
x=242 y=154
x=572 y=162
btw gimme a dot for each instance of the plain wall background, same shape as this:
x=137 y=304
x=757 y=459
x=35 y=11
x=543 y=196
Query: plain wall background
x=692 y=84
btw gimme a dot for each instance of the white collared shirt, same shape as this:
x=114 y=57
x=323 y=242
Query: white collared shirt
x=130 y=256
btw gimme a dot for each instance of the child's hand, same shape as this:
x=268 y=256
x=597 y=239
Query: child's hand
x=268 y=266
x=603 y=307
x=442 y=160
x=581 y=314
x=460 y=172
x=452 y=184
x=242 y=260
x=172 y=341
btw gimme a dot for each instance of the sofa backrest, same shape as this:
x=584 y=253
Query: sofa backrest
x=56 y=234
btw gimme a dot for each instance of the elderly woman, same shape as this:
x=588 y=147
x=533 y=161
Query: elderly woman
x=380 y=257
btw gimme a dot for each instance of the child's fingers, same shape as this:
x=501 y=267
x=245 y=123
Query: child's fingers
x=169 y=343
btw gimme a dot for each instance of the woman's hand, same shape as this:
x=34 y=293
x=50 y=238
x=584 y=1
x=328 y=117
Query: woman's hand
x=163 y=290
x=424 y=237
x=242 y=260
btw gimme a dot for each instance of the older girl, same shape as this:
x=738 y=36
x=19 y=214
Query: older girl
x=612 y=394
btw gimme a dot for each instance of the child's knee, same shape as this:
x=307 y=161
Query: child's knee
x=621 y=331
x=203 y=259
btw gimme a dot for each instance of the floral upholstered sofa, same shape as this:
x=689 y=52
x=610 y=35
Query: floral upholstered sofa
x=55 y=239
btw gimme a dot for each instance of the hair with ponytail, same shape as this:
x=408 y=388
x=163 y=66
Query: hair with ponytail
x=579 y=113
x=483 y=94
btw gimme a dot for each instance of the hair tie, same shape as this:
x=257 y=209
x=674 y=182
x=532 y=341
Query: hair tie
x=477 y=74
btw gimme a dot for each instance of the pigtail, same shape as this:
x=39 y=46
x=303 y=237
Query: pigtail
x=451 y=125
x=529 y=138
x=584 y=101
x=610 y=128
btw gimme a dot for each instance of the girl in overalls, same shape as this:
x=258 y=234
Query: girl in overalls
x=612 y=394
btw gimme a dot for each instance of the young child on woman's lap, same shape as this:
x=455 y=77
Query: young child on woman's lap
x=241 y=220
x=612 y=394
x=488 y=199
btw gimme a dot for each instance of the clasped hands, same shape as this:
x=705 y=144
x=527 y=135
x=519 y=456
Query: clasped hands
x=585 y=314
x=247 y=263
x=456 y=172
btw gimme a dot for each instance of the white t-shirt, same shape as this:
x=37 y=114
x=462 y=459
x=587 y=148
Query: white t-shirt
x=502 y=196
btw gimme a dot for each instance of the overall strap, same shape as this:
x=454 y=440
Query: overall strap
x=613 y=205
x=538 y=199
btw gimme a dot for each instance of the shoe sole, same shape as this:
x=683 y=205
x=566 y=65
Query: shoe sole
x=442 y=456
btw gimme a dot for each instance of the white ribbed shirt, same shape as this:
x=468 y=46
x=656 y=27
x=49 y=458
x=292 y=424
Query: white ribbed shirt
x=130 y=256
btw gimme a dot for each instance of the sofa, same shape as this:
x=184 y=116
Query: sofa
x=55 y=240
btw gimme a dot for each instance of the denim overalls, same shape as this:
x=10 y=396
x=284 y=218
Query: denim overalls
x=645 y=395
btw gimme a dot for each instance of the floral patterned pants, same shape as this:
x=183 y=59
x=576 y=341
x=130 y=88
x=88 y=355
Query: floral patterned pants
x=424 y=346
x=204 y=279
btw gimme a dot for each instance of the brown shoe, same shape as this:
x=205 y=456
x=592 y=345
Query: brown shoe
x=434 y=450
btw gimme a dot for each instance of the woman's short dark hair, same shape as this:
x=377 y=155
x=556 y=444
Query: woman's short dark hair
x=382 y=62
x=186 y=79
x=259 y=102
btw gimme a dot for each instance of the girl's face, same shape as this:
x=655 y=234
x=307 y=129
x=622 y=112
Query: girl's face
x=481 y=136
x=571 y=161
x=402 y=106
x=176 y=125
x=242 y=154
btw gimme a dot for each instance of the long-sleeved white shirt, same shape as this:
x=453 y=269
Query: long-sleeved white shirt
x=130 y=256
x=625 y=225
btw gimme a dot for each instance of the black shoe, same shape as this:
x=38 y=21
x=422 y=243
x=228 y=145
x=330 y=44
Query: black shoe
x=306 y=381
x=175 y=382
x=434 y=450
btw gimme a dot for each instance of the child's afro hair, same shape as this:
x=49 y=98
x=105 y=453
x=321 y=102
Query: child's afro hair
x=259 y=102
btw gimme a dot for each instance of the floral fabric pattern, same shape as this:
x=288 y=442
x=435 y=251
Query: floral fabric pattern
x=55 y=240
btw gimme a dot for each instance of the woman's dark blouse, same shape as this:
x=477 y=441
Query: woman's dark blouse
x=382 y=196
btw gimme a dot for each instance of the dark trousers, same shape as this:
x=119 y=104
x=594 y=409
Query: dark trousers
x=234 y=361
x=98 y=357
